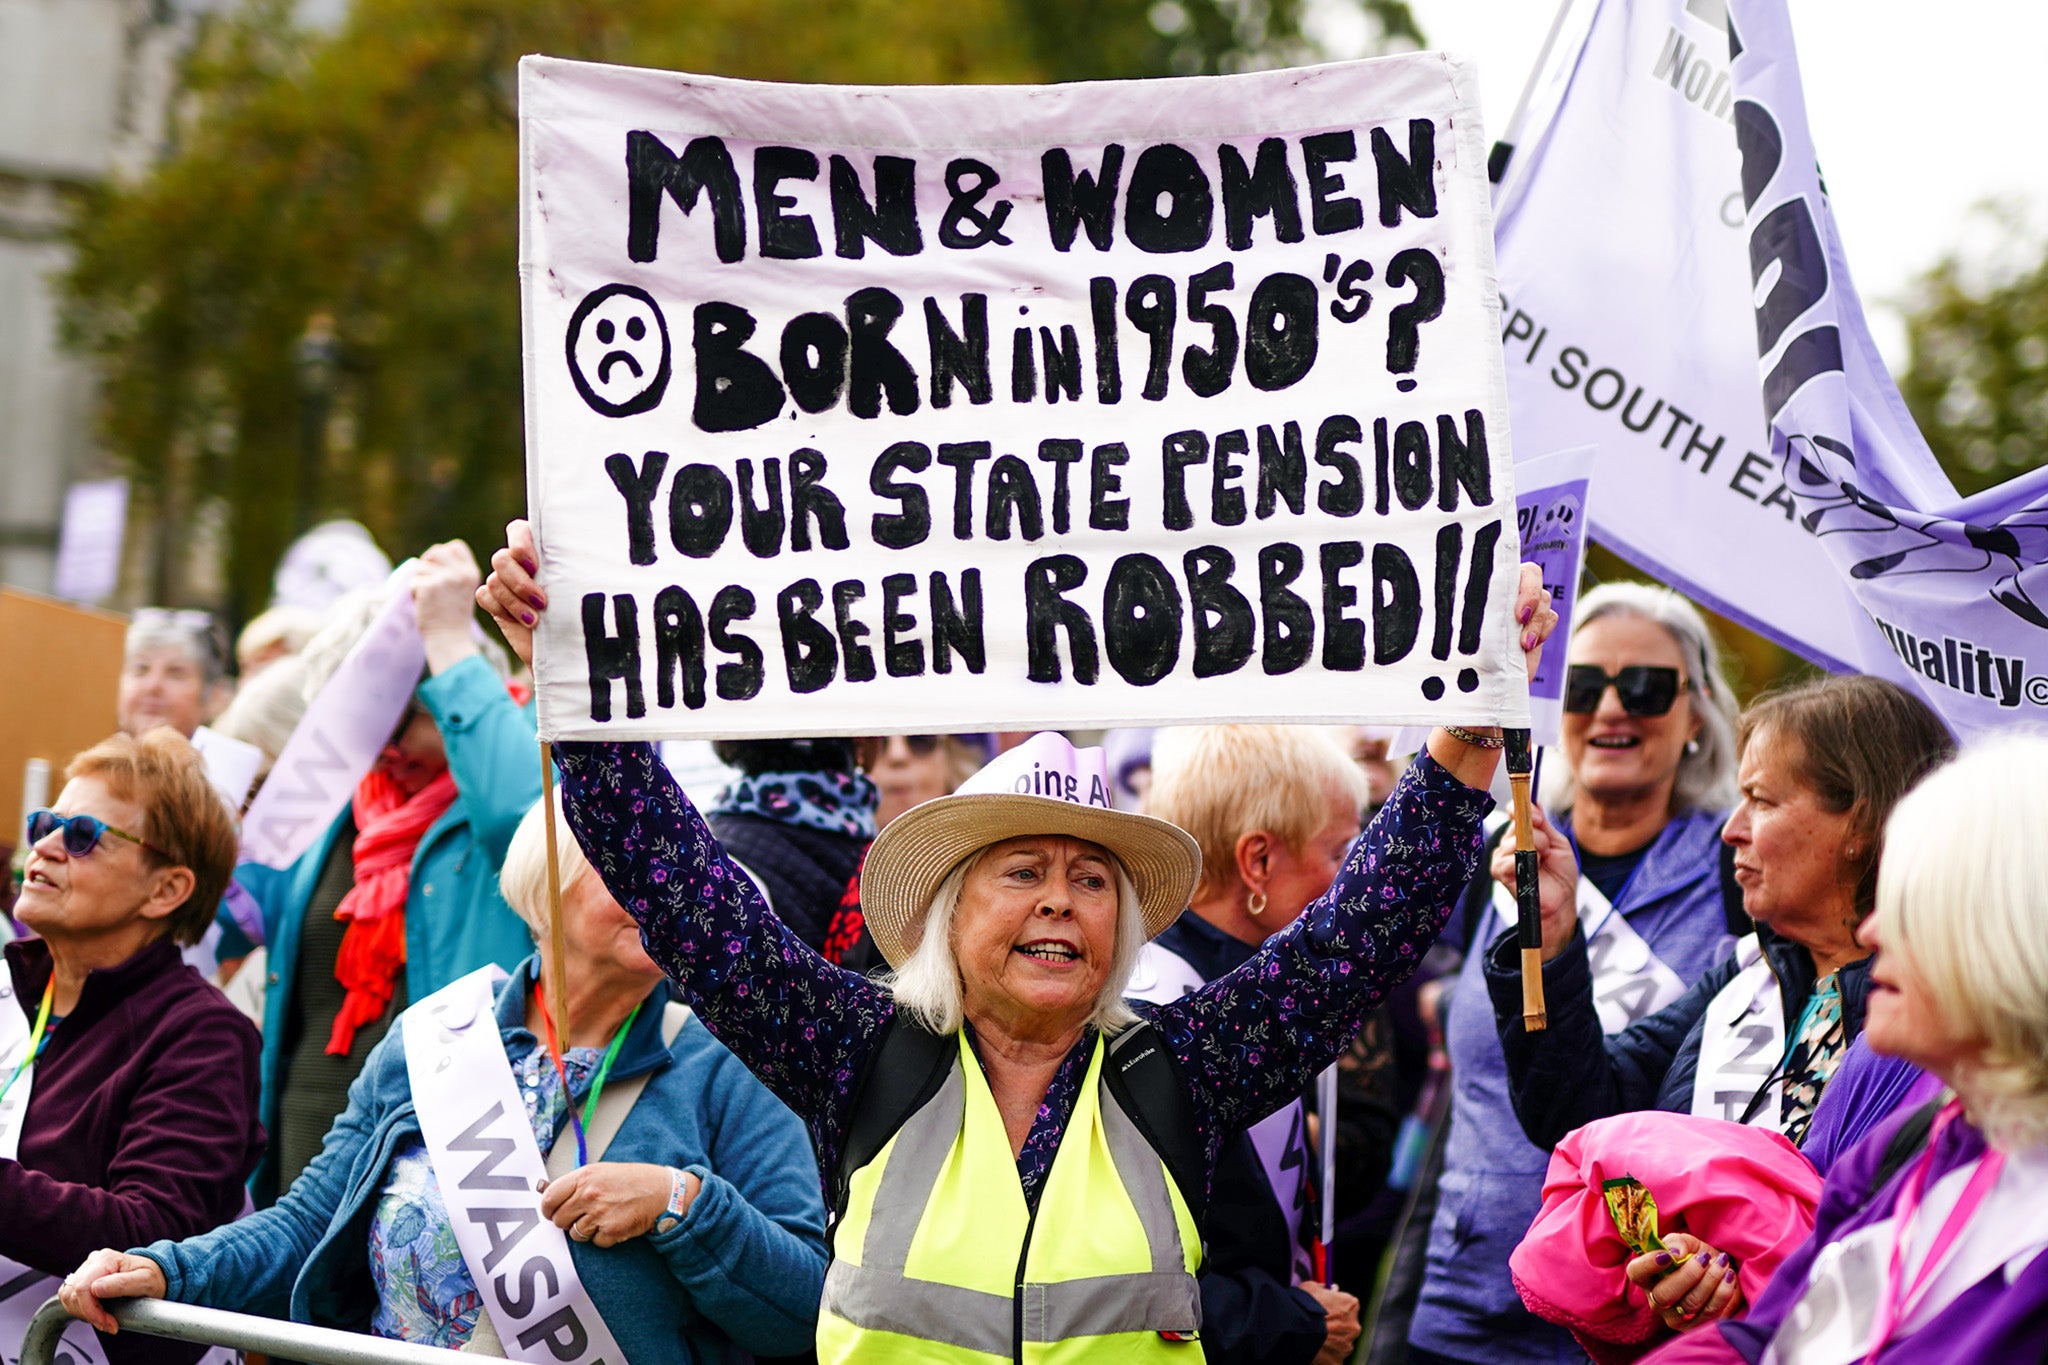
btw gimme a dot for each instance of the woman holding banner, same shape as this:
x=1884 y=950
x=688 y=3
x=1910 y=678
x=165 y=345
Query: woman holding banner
x=127 y=1083
x=672 y=1217
x=400 y=895
x=942 y=1102
x=1649 y=741
x=1758 y=1037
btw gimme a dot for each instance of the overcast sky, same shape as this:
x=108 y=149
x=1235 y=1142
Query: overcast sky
x=1886 y=82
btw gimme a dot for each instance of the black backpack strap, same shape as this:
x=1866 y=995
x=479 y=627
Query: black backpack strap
x=1907 y=1142
x=1738 y=920
x=904 y=1071
x=1146 y=1082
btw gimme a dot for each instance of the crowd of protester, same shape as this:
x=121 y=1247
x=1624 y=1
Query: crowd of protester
x=1794 y=955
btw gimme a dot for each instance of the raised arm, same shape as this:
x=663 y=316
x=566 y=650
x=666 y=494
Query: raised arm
x=1250 y=1040
x=1572 y=1073
x=800 y=1023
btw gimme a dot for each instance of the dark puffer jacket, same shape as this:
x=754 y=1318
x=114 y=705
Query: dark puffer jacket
x=1570 y=1073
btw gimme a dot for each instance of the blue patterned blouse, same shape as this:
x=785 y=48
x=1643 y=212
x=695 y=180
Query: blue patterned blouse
x=425 y=1293
x=1247 y=1043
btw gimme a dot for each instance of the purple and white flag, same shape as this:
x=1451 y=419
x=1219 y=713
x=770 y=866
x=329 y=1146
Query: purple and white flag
x=1955 y=590
x=1662 y=220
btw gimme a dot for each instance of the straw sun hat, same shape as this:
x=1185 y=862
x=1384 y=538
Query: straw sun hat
x=1043 y=786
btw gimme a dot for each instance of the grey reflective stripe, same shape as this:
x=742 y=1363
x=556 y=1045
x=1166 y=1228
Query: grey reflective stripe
x=886 y=1301
x=1138 y=1166
x=1160 y=1302
x=877 y=1296
x=919 y=1154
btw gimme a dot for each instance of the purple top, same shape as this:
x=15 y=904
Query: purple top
x=1990 y=1321
x=1247 y=1042
x=1867 y=1089
x=142 y=1124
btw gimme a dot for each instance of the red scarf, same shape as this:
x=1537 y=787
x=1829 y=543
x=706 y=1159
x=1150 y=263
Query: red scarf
x=388 y=829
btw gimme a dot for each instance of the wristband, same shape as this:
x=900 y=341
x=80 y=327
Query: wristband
x=678 y=1202
x=1474 y=738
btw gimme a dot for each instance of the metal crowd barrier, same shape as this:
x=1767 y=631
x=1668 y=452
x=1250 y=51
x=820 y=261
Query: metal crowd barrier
x=242 y=1331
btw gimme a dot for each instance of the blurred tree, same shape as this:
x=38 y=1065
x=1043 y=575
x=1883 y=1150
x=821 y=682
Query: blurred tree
x=312 y=306
x=1977 y=382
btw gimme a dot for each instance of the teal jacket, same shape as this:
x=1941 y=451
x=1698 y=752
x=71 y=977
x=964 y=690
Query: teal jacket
x=455 y=920
x=742 y=1272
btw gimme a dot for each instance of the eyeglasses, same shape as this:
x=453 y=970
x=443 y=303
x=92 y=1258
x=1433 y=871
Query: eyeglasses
x=1643 y=689
x=82 y=833
x=923 y=746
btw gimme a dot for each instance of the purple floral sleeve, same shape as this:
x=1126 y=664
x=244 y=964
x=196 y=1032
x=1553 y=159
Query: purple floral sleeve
x=801 y=1024
x=1253 y=1039
x=1247 y=1042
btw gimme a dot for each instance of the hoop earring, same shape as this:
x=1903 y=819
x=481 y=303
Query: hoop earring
x=1255 y=904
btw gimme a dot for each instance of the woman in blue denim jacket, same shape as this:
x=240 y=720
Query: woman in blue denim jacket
x=697 y=1232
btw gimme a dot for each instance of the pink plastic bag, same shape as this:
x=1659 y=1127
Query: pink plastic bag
x=1745 y=1191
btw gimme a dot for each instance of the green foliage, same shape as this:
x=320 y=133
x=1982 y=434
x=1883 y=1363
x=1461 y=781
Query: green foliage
x=367 y=181
x=1978 y=380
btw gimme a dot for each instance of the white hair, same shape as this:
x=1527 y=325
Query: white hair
x=928 y=984
x=1965 y=909
x=523 y=878
x=267 y=708
x=1706 y=775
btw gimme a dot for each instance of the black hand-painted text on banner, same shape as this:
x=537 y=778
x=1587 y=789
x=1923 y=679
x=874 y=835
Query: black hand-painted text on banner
x=1109 y=405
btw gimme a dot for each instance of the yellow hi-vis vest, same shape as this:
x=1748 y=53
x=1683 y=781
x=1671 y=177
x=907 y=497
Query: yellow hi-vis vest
x=940 y=1262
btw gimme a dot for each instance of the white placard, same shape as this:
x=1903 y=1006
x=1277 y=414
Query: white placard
x=89 y=540
x=854 y=410
x=231 y=764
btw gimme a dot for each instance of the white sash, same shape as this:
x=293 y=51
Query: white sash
x=1629 y=981
x=488 y=1164
x=1280 y=1139
x=1831 y=1324
x=23 y=1290
x=1741 y=1044
x=14 y=1031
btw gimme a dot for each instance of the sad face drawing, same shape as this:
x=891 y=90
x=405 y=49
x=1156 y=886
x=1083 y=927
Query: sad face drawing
x=619 y=350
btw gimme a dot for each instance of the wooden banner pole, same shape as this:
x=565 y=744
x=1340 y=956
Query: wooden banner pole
x=1528 y=900
x=558 y=947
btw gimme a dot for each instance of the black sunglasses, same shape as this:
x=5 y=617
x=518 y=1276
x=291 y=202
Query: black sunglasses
x=82 y=833
x=1644 y=690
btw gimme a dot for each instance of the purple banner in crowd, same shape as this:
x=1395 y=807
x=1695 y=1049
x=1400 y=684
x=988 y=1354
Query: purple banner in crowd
x=345 y=729
x=1550 y=510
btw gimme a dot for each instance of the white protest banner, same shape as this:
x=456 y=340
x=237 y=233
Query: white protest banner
x=1955 y=590
x=1118 y=403
x=345 y=727
x=1624 y=274
x=1551 y=504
